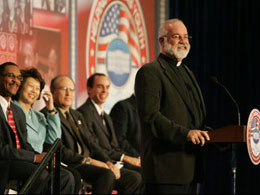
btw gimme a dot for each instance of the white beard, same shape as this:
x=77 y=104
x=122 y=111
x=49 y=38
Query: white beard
x=173 y=50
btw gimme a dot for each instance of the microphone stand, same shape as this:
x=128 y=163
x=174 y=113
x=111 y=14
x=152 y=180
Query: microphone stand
x=234 y=101
x=234 y=167
x=234 y=159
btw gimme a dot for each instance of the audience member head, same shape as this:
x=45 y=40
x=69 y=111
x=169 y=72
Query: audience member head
x=98 y=88
x=63 y=91
x=31 y=86
x=174 y=39
x=10 y=79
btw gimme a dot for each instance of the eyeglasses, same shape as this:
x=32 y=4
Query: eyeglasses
x=179 y=37
x=12 y=76
x=66 y=89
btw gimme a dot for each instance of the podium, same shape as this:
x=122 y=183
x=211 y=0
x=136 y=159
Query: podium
x=228 y=134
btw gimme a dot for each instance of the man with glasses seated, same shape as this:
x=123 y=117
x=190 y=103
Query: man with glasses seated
x=80 y=150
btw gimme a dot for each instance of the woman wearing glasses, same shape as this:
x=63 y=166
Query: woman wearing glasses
x=41 y=129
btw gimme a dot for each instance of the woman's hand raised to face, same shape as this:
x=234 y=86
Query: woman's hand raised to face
x=48 y=99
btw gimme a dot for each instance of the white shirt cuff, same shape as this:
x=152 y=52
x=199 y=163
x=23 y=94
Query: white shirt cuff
x=122 y=157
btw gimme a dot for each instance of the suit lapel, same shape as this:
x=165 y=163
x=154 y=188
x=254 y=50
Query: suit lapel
x=66 y=124
x=15 y=118
x=81 y=130
x=77 y=120
x=2 y=113
x=98 y=119
x=22 y=138
x=132 y=101
x=74 y=118
x=31 y=122
x=104 y=128
x=110 y=129
x=109 y=126
x=198 y=90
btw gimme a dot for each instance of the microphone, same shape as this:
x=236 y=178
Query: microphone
x=215 y=80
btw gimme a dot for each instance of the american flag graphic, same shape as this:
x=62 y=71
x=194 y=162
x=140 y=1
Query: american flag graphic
x=117 y=23
x=255 y=124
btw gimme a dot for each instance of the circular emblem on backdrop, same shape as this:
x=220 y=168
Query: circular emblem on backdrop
x=116 y=44
x=118 y=62
x=253 y=136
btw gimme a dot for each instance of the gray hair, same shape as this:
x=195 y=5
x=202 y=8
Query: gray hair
x=162 y=29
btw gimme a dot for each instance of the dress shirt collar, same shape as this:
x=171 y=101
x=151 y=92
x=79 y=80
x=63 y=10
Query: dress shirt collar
x=4 y=104
x=99 y=110
x=170 y=60
x=63 y=111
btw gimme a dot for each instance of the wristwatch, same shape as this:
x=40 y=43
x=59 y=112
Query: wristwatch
x=53 y=110
x=87 y=160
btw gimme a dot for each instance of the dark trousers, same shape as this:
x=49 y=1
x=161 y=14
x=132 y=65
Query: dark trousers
x=139 y=170
x=155 y=188
x=101 y=179
x=132 y=167
x=4 y=171
x=130 y=182
x=67 y=181
x=77 y=178
x=22 y=170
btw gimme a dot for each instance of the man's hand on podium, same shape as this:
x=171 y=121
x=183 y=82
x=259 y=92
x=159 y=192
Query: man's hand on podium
x=198 y=136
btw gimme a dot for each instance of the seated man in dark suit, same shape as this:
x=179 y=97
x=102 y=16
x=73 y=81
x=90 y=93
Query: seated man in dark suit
x=80 y=150
x=100 y=124
x=127 y=126
x=17 y=157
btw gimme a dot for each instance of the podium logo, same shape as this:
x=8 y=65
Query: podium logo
x=253 y=136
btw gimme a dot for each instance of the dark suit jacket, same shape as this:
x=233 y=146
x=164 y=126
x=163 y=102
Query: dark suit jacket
x=107 y=141
x=166 y=116
x=69 y=153
x=8 y=149
x=127 y=126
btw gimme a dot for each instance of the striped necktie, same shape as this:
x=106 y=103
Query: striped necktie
x=10 y=119
x=102 y=116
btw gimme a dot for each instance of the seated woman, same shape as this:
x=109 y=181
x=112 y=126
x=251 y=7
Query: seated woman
x=41 y=129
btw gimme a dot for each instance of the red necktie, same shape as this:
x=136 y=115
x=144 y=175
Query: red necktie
x=10 y=119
